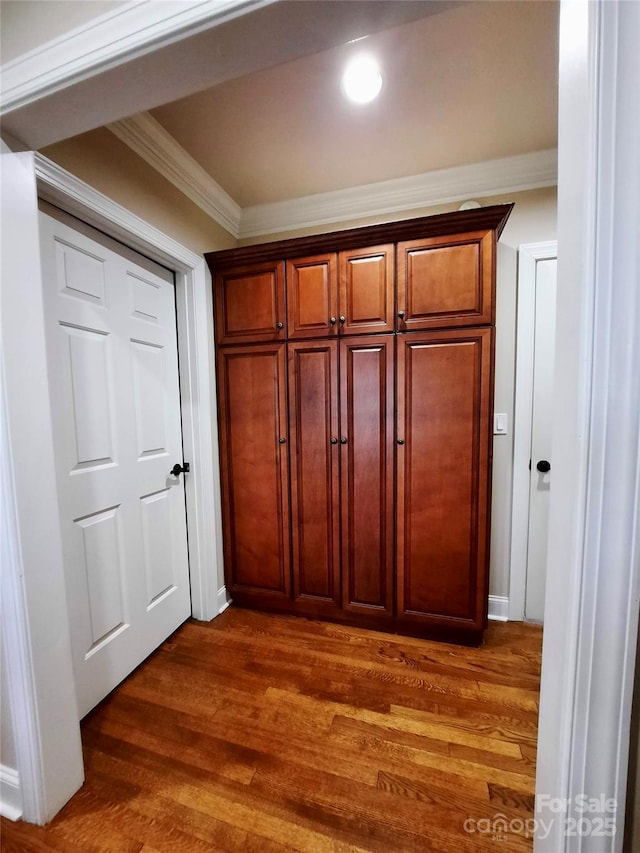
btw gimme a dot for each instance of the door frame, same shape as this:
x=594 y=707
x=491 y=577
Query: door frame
x=194 y=314
x=35 y=620
x=529 y=256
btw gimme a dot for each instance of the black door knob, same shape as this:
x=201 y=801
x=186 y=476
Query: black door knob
x=279 y=325
x=180 y=469
x=401 y=441
x=282 y=440
x=401 y=315
x=332 y=320
x=334 y=441
x=543 y=466
x=343 y=441
x=342 y=319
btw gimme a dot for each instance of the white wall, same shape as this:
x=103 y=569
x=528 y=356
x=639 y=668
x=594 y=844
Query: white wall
x=7 y=742
x=10 y=796
x=28 y=24
x=34 y=610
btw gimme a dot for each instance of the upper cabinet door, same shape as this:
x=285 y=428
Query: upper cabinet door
x=250 y=304
x=366 y=291
x=312 y=296
x=446 y=281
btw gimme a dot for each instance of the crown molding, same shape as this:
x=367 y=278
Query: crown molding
x=490 y=178
x=146 y=136
x=108 y=40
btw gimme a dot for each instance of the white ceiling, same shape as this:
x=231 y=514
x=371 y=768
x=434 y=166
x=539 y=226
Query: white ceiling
x=244 y=95
x=472 y=83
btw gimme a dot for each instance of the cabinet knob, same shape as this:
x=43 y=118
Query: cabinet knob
x=334 y=441
x=543 y=466
x=343 y=441
x=401 y=315
x=279 y=325
x=401 y=441
x=282 y=441
x=332 y=320
x=342 y=319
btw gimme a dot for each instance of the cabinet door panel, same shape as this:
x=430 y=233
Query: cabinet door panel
x=446 y=281
x=444 y=402
x=312 y=296
x=366 y=290
x=250 y=303
x=366 y=415
x=254 y=468
x=313 y=399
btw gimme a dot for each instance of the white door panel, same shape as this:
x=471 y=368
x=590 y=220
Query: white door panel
x=112 y=348
x=541 y=431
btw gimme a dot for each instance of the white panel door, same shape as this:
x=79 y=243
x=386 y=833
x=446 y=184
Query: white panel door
x=541 y=430
x=113 y=379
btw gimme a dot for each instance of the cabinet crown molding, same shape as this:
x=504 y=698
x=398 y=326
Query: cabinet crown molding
x=460 y=221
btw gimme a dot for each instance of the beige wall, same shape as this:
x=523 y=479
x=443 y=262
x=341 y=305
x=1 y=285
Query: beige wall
x=108 y=165
x=28 y=24
x=534 y=212
x=533 y=220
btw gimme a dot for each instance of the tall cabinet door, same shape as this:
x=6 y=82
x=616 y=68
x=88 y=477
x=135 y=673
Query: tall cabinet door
x=254 y=470
x=366 y=446
x=315 y=498
x=444 y=455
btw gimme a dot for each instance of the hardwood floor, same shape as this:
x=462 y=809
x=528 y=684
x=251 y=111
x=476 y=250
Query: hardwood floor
x=272 y=733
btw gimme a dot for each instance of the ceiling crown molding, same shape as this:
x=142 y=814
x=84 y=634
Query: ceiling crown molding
x=107 y=40
x=490 y=178
x=146 y=136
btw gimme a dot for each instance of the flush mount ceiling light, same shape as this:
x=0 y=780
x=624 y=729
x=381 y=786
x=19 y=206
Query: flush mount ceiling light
x=362 y=81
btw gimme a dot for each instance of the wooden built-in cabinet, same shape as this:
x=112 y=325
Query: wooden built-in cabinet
x=355 y=390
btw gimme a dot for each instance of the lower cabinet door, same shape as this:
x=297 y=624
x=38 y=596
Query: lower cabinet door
x=315 y=456
x=254 y=471
x=366 y=472
x=443 y=477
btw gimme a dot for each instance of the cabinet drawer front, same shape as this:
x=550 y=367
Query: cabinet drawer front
x=315 y=499
x=446 y=281
x=366 y=290
x=254 y=468
x=250 y=304
x=312 y=296
x=444 y=397
x=366 y=471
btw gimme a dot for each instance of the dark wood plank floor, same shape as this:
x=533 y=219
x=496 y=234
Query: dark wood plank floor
x=270 y=733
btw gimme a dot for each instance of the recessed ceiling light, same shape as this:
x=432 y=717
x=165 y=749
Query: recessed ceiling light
x=362 y=81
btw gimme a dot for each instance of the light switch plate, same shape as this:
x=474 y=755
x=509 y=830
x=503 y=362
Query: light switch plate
x=500 y=423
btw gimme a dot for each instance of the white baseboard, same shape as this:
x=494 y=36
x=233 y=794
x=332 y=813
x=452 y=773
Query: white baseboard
x=223 y=601
x=498 y=605
x=10 y=795
x=498 y=608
